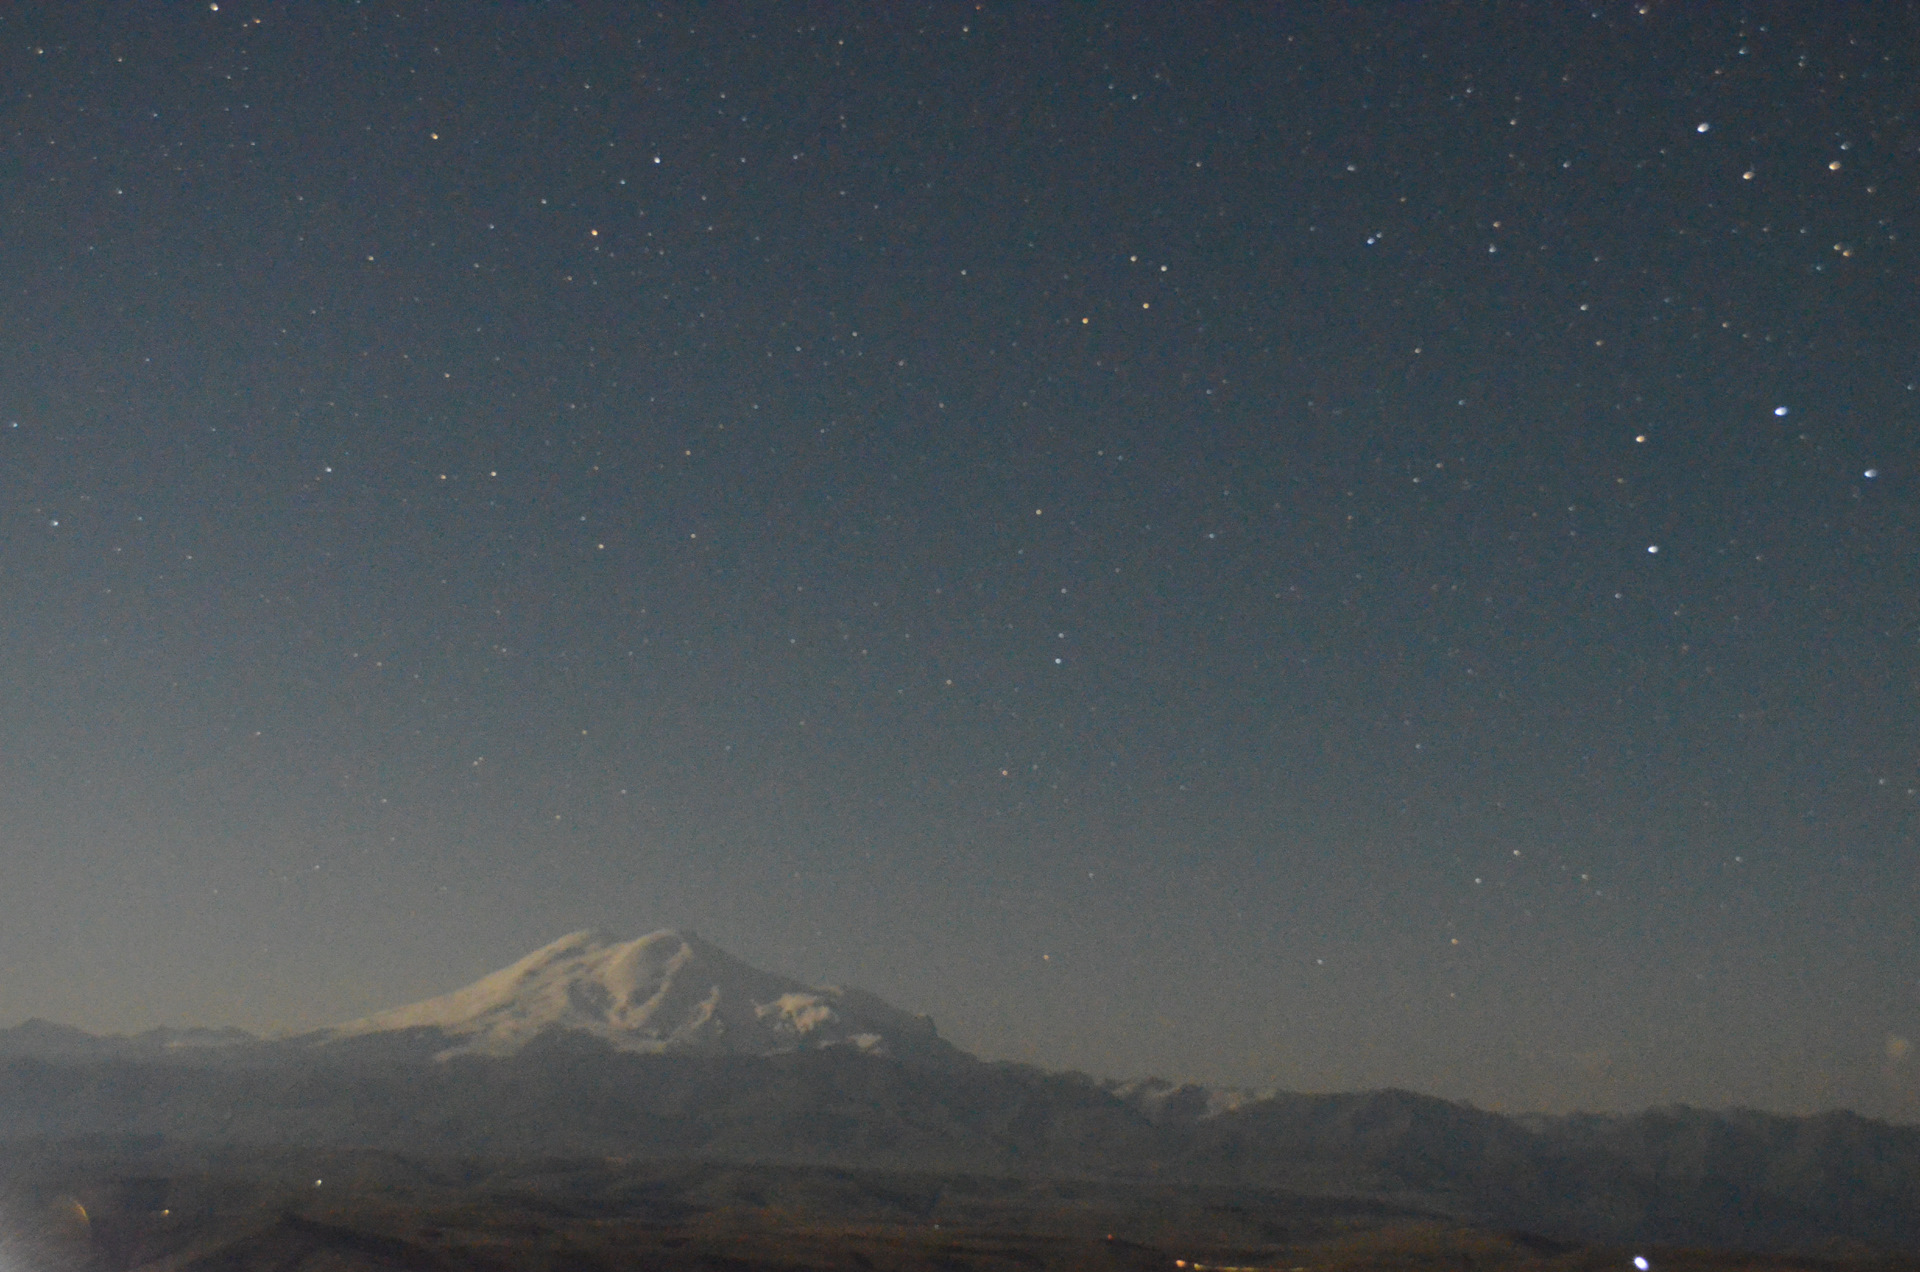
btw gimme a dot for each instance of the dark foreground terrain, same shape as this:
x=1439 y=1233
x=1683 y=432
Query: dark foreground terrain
x=114 y=1209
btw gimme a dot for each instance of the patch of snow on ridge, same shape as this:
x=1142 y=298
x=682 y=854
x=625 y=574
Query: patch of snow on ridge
x=796 y=1013
x=1161 y=1101
x=662 y=992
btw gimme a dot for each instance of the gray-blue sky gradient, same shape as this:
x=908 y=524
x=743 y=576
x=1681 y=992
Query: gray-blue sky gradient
x=1133 y=533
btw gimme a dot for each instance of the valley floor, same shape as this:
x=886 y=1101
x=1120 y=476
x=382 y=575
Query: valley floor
x=75 y=1211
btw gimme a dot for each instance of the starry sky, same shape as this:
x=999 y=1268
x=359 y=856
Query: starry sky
x=1313 y=546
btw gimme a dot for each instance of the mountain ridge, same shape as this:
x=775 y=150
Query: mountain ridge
x=666 y=1047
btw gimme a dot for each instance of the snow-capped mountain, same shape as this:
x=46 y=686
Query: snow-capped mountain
x=665 y=1048
x=664 y=992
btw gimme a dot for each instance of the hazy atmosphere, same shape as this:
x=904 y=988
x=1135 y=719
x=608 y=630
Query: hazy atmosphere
x=1277 y=544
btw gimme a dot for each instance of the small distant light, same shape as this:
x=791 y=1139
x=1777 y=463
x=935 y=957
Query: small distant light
x=1653 y=548
x=1640 y=1261
x=1779 y=410
x=1640 y=437
x=1871 y=473
x=1702 y=127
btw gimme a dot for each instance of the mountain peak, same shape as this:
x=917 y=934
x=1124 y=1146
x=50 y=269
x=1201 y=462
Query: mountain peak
x=666 y=991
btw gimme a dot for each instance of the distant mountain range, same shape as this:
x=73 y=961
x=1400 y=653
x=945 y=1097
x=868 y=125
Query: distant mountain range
x=668 y=1048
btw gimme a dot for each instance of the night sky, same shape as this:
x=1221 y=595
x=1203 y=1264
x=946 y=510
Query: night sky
x=1286 y=545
